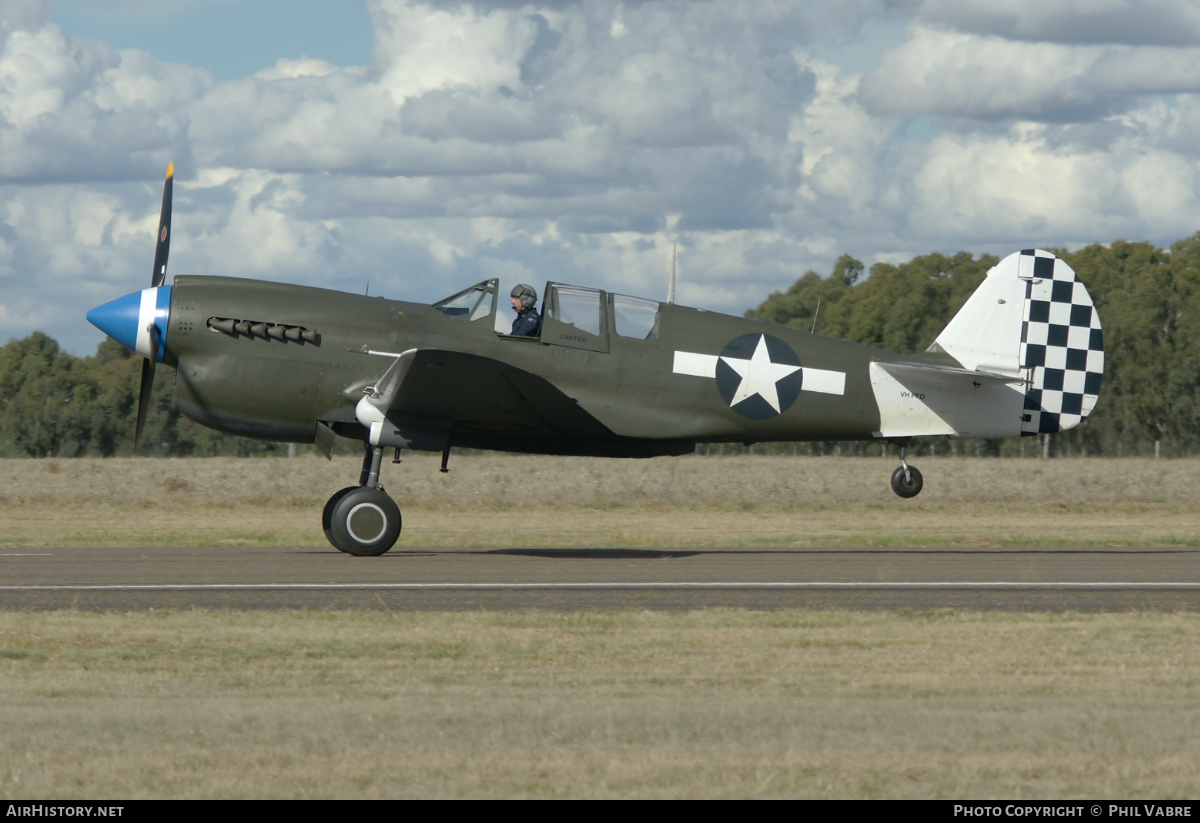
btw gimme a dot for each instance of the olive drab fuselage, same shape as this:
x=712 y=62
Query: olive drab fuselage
x=605 y=393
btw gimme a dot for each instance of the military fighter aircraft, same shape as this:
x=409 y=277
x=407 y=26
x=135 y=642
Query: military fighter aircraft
x=609 y=375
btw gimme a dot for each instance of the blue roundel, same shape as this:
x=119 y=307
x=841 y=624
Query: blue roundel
x=759 y=376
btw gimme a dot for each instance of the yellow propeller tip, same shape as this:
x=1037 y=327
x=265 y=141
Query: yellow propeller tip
x=171 y=169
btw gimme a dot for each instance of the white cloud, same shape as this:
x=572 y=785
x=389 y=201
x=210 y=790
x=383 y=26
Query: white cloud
x=1165 y=189
x=285 y=69
x=1010 y=186
x=995 y=191
x=1137 y=22
x=72 y=110
x=840 y=142
x=22 y=15
x=423 y=47
x=944 y=72
x=579 y=141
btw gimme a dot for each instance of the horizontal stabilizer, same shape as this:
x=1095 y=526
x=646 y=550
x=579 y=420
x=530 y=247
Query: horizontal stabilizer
x=923 y=400
x=933 y=372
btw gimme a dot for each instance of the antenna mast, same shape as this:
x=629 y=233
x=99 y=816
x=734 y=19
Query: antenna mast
x=671 y=285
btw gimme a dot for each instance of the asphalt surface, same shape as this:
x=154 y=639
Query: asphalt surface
x=569 y=579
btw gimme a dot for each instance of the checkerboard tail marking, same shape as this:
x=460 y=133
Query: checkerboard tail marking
x=1062 y=345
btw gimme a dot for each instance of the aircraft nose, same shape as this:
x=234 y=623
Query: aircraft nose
x=128 y=320
x=119 y=319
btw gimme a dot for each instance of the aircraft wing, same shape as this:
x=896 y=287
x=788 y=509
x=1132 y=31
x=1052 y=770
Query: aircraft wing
x=424 y=394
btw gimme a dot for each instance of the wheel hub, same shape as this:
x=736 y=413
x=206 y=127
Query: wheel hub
x=366 y=522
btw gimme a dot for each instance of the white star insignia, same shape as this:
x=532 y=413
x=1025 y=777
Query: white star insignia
x=759 y=376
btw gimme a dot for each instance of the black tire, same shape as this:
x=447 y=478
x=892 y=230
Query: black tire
x=910 y=488
x=364 y=522
x=327 y=514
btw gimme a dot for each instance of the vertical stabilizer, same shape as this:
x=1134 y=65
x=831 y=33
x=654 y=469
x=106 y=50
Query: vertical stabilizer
x=1033 y=317
x=985 y=335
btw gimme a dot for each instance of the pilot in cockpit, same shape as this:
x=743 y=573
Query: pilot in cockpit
x=524 y=303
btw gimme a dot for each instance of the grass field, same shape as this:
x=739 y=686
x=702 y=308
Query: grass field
x=694 y=501
x=713 y=703
x=702 y=704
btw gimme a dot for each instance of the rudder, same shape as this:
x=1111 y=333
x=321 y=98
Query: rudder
x=1062 y=345
x=1033 y=317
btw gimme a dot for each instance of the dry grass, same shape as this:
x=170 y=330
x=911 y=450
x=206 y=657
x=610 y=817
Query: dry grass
x=703 y=704
x=695 y=501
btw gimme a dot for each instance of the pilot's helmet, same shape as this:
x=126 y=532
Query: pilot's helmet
x=526 y=293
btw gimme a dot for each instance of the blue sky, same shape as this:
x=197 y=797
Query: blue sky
x=230 y=38
x=425 y=146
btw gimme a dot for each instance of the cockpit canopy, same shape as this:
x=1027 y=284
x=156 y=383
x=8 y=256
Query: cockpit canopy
x=475 y=303
x=583 y=317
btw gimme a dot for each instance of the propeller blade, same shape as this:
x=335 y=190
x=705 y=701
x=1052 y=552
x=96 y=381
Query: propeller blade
x=143 y=402
x=164 y=231
x=147 y=385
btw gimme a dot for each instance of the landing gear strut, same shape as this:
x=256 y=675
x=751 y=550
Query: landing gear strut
x=363 y=520
x=906 y=480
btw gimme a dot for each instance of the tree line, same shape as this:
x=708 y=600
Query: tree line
x=53 y=403
x=1149 y=304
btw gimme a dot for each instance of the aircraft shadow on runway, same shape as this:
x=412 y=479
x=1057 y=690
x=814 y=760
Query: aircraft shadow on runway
x=601 y=554
x=655 y=554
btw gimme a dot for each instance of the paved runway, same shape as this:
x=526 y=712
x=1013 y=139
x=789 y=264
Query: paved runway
x=566 y=579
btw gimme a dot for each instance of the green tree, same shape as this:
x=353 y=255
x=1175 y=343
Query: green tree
x=36 y=386
x=1149 y=306
x=53 y=404
x=803 y=302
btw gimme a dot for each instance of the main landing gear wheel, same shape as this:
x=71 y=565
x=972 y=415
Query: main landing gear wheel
x=327 y=514
x=362 y=521
x=909 y=486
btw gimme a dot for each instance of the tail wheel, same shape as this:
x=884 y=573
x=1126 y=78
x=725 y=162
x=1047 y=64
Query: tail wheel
x=363 y=521
x=909 y=486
